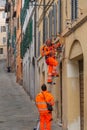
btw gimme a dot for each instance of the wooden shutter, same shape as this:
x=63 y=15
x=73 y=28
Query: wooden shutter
x=55 y=20
x=74 y=9
x=50 y=24
x=59 y=16
x=46 y=28
x=38 y=43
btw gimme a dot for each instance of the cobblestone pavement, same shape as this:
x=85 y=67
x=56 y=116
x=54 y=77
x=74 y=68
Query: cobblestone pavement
x=17 y=111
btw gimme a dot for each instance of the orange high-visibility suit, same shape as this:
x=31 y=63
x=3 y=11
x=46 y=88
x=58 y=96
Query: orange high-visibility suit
x=45 y=115
x=49 y=51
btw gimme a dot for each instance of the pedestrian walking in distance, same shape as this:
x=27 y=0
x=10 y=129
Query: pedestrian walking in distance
x=43 y=101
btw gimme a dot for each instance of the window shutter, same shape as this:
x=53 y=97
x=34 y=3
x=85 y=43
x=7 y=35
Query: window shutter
x=55 y=20
x=38 y=43
x=76 y=8
x=59 y=16
x=72 y=9
x=50 y=24
x=46 y=28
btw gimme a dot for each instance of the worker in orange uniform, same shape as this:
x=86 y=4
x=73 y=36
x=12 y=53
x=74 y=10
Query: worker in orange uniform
x=49 y=51
x=45 y=115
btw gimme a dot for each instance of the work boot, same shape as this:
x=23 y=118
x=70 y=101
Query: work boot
x=55 y=75
x=51 y=83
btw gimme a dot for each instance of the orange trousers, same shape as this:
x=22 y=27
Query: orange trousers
x=52 y=65
x=45 y=121
x=51 y=62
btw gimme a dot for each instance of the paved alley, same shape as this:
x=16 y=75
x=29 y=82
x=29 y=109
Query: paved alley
x=17 y=111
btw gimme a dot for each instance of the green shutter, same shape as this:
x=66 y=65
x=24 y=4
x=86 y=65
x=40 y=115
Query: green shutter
x=27 y=39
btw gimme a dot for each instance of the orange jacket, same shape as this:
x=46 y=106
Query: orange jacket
x=44 y=50
x=47 y=51
x=40 y=101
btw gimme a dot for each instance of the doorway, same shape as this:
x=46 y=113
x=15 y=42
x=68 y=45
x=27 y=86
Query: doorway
x=81 y=85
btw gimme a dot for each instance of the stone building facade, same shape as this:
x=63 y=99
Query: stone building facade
x=70 y=88
x=64 y=21
x=19 y=72
x=3 y=35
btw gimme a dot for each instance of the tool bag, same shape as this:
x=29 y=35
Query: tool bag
x=49 y=107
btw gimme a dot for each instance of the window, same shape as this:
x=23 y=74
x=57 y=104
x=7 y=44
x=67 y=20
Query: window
x=50 y=24
x=4 y=40
x=39 y=34
x=59 y=17
x=46 y=28
x=3 y=29
x=1 y=50
x=18 y=22
x=74 y=5
x=3 y=15
x=54 y=20
x=0 y=28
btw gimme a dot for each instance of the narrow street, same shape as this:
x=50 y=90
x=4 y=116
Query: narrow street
x=17 y=112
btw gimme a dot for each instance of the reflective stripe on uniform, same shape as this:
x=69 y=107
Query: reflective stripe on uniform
x=40 y=102
x=42 y=109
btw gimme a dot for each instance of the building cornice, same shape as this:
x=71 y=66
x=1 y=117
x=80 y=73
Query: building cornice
x=79 y=22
